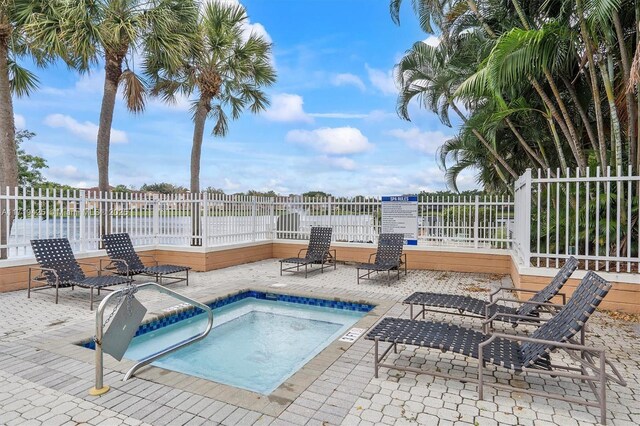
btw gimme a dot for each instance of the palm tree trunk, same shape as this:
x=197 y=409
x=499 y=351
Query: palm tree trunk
x=553 y=111
x=8 y=153
x=113 y=70
x=615 y=122
x=583 y=115
x=602 y=143
x=630 y=101
x=574 y=141
x=556 y=140
x=474 y=8
x=486 y=144
x=534 y=155
x=199 y=119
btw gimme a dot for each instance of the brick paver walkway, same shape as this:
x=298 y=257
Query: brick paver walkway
x=44 y=379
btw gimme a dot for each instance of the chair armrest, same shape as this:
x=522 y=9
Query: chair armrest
x=148 y=255
x=92 y=265
x=301 y=250
x=520 y=338
x=112 y=261
x=525 y=302
x=534 y=320
x=371 y=255
x=39 y=268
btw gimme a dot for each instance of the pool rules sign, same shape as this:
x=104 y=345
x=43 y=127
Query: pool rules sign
x=400 y=216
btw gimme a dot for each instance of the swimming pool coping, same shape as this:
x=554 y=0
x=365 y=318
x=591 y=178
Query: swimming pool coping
x=274 y=403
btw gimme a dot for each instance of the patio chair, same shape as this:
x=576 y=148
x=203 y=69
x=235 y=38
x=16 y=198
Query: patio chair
x=317 y=252
x=124 y=260
x=388 y=257
x=528 y=311
x=59 y=268
x=521 y=354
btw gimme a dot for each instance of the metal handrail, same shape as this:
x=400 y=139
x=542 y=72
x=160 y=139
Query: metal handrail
x=99 y=385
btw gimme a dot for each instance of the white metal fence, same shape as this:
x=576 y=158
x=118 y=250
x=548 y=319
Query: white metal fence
x=593 y=217
x=216 y=220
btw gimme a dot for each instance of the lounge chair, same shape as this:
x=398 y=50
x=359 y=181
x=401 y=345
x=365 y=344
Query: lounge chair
x=124 y=260
x=317 y=253
x=59 y=268
x=520 y=354
x=527 y=311
x=388 y=257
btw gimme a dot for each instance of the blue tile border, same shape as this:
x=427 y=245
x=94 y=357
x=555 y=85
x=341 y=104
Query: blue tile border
x=189 y=312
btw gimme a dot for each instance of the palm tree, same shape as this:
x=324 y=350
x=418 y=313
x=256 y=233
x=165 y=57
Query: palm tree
x=558 y=74
x=225 y=67
x=114 y=32
x=15 y=80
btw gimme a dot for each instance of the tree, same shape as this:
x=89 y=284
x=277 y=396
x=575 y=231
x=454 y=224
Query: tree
x=316 y=194
x=111 y=32
x=162 y=188
x=226 y=68
x=29 y=166
x=547 y=84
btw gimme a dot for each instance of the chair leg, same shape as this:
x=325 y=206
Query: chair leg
x=280 y=268
x=29 y=286
x=603 y=389
x=57 y=287
x=480 y=374
x=375 y=358
x=187 y=278
x=91 y=300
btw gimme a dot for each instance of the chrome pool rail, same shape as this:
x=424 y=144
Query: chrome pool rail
x=99 y=388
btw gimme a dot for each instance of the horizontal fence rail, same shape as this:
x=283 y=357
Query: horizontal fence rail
x=212 y=220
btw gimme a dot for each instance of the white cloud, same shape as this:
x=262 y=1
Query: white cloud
x=432 y=41
x=331 y=140
x=19 y=121
x=345 y=115
x=87 y=130
x=343 y=163
x=181 y=103
x=427 y=142
x=286 y=107
x=347 y=79
x=382 y=80
x=92 y=82
x=229 y=185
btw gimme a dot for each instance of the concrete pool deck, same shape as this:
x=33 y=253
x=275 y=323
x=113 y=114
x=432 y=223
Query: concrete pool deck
x=44 y=378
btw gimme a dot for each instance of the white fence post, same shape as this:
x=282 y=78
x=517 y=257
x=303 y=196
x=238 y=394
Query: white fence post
x=526 y=216
x=82 y=220
x=156 y=219
x=204 y=219
x=254 y=216
x=476 y=222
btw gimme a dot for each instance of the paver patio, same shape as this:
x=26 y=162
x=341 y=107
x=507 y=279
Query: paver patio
x=44 y=379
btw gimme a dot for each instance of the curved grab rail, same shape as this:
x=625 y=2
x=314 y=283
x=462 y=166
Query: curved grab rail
x=99 y=387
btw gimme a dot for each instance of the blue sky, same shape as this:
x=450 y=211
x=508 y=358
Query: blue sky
x=331 y=126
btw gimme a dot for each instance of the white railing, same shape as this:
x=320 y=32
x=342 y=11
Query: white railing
x=593 y=217
x=211 y=220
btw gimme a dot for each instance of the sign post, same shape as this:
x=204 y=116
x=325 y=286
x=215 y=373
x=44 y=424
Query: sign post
x=400 y=216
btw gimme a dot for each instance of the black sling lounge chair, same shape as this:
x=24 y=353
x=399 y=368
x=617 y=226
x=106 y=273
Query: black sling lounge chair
x=124 y=260
x=527 y=311
x=59 y=268
x=389 y=257
x=520 y=354
x=317 y=252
